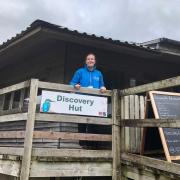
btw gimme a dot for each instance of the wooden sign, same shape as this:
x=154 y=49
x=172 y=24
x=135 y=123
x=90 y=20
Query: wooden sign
x=166 y=105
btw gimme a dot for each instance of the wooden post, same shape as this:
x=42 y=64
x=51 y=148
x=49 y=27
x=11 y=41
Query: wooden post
x=116 y=174
x=26 y=160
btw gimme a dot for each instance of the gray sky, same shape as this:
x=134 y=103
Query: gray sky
x=127 y=20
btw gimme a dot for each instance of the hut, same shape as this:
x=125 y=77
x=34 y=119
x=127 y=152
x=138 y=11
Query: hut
x=52 y=53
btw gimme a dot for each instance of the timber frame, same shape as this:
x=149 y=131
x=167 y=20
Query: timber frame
x=27 y=161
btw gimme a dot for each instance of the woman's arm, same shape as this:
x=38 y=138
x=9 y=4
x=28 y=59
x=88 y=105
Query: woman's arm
x=75 y=81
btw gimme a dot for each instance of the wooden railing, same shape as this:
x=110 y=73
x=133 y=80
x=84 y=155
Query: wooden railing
x=172 y=170
x=30 y=115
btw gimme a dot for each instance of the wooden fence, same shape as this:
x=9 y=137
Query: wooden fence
x=14 y=111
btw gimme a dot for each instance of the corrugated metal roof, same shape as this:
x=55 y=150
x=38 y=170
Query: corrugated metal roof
x=44 y=24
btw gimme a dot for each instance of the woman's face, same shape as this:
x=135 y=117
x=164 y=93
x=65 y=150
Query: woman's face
x=90 y=61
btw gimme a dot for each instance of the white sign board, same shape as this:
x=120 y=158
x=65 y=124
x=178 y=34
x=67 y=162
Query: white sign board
x=71 y=103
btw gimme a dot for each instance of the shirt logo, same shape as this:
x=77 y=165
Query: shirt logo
x=96 y=78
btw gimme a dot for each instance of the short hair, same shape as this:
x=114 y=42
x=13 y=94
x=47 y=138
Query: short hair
x=91 y=54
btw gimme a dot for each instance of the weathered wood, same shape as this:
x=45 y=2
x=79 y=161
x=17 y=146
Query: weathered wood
x=13 y=117
x=21 y=100
x=25 y=168
x=11 y=151
x=57 y=135
x=71 y=153
x=139 y=160
x=171 y=123
x=2 y=99
x=70 y=169
x=171 y=82
x=68 y=88
x=15 y=87
x=131 y=171
x=11 y=101
x=132 y=131
x=10 y=167
x=71 y=136
x=126 y=116
x=72 y=119
x=116 y=172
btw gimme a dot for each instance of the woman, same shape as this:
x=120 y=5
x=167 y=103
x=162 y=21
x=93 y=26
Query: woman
x=88 y=76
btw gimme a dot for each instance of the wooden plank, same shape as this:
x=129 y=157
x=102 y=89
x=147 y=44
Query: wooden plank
x=132 y=132
x=71 y=153
x=2 y=99
x=72 y=119
x=68 y=88
x=13 y=117
x=172 y=168
x=11 y=101
x=9 y=167
x=11 y=151
x=168 y=123
x=26 y=161
x=22 y=96
x=15 y=87
x=71 y=136
x=70 y=169
x=137 y=130
x=116 y=172
x=126 y=116
x=171 y=82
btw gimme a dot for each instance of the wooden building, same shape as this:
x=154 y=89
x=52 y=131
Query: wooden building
x=48 y=55
x=52 y=53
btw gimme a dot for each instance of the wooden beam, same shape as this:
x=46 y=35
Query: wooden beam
x=26 y=161
x=11 y=151
x=13 y=117
x=72 y=119
x=9 y=167
x=71 y=153
x=116 y=172
x=138 y=160
x=171 y=82
x=15 y=87
x=168 y=123
x=68 y=88
x=70 y=169
x=71 y=136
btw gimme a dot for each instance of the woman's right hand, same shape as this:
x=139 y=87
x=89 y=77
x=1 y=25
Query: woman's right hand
x=77 y=86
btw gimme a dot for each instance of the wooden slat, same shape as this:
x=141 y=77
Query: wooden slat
x=13 y=117
x=72 y=136
x=74 y=153
x=15 y=87
x=137 y=130
x=126 y=116
x=116 y=144
x=21 y=101
x=171 y=168
x=171 y=82
x=26 y=161
x=9 y=167
x=70 y=169
x=72 y=119
x=11 y=151
x=171 y=123
x=68 y=88
x=2 y=100
x=11 y=100
x=132 y=131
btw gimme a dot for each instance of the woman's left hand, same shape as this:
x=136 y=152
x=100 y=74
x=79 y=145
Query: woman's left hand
x=102 y=89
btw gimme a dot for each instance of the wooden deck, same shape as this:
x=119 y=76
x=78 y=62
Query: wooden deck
x=29 y=139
